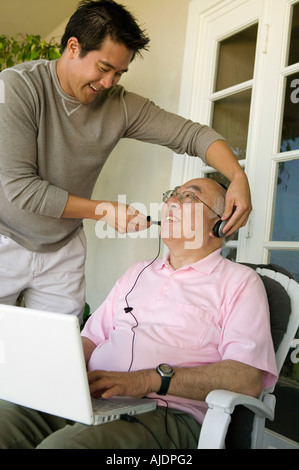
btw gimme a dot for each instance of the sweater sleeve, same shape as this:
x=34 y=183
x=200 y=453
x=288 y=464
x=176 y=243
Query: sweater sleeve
x=150 y=123
x=19 y=176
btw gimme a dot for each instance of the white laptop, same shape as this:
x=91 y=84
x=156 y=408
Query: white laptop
x=42 y=367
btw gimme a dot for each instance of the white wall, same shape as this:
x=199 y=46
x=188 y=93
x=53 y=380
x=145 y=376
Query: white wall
x=33 y=16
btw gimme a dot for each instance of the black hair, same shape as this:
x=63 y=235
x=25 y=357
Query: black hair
x=94 y=21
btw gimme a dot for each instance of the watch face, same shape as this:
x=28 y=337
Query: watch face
x=165 y=368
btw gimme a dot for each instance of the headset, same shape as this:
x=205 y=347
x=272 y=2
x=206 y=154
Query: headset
x=218 y=228
x=155 y=222
x=217 y=231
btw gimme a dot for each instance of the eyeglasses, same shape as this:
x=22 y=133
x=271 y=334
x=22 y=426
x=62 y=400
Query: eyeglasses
x=186 y=197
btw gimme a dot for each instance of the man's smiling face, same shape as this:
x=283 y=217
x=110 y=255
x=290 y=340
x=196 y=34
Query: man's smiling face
x=179 y=219
x=99 y=70
x=187 y=214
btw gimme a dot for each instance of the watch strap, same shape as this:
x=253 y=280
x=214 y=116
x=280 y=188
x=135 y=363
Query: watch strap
x=164 y=385
x=166 y=372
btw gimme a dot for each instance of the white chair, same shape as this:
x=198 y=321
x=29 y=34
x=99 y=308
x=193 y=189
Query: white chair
x=222 y=404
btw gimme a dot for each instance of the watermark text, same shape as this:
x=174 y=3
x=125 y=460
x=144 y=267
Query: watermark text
x=295 y=353
x=119 y=220
x=295 y=93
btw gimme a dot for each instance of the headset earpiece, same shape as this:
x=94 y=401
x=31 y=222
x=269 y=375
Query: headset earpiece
x=218 y=228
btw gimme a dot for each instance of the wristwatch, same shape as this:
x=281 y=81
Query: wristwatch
x=166 y=372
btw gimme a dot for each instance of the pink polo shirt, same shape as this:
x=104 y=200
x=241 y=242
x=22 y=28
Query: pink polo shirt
x=203 y=313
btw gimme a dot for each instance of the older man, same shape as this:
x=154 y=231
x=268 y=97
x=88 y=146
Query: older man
x=173 y=330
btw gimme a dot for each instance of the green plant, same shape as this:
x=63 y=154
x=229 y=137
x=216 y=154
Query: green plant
x=86 y=315
x=22 y=48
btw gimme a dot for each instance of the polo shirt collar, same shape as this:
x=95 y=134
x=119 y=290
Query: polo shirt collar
x=204 y=266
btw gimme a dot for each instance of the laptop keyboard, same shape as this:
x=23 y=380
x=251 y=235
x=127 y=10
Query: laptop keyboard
x=101 y=404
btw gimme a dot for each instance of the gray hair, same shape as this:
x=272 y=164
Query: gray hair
x=219 y=205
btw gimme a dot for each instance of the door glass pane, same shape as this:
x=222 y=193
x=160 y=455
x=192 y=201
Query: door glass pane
x=286 y=213
x=290 y=127
x=288 y=260
x=236 y=58
x=294 y=44
x=231 y=119
x=216 y=176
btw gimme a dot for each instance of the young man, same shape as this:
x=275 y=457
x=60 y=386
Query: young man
x=58 y=125
x=173 y=330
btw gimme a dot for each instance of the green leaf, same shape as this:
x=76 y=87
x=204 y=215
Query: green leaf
x=10 y=62
x=22 y=48
x=35 y=55
x=54 y=54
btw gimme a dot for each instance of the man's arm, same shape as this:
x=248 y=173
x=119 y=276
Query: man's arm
x=121 y=217
x=194 y=382
x=198 y=382
x=88 y=348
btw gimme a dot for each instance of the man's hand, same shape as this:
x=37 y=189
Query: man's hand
x=238 y=203
x=134 y=384
x=121 y=217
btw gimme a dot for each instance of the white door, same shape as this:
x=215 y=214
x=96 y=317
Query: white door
x=275 y=234
x=241 y=76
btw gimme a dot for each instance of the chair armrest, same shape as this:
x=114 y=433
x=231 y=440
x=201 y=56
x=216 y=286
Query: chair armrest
x=263 y=407
x=221 y=404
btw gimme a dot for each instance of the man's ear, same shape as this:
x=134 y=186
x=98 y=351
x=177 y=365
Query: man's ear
x=73 y=48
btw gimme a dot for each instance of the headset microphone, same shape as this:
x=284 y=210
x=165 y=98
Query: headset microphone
x=156 y=222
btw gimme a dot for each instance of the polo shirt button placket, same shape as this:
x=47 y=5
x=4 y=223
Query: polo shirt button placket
x=164 y=288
